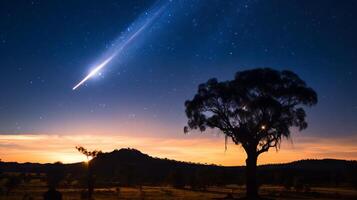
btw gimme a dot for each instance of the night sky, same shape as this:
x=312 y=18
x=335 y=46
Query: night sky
x=46 y=47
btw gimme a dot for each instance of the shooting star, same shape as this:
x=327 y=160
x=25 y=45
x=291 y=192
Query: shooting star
x=126 y=38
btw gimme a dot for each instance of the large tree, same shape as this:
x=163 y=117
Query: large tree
x=256 y=110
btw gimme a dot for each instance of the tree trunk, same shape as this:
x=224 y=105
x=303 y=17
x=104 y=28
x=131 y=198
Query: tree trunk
x=90 y=181
x=251 y=176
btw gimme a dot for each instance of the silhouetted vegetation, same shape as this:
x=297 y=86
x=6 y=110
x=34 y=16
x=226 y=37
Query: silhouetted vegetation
x=111 y=169
x=256 y=110
x=55 y=174
x=90 y=179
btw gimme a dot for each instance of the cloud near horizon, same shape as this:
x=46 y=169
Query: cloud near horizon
x=51 y=148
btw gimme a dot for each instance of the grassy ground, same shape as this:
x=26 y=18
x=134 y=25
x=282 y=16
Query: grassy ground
x=169 y=193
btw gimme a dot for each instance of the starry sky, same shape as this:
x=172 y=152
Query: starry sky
x=46 y=47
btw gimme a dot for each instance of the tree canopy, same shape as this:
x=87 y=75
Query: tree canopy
x=256 y=109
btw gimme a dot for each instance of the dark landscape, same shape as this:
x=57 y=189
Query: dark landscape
x=138 y=174
x=178 y=99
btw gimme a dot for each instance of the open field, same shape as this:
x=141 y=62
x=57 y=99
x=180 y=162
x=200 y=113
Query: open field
x=146 y=192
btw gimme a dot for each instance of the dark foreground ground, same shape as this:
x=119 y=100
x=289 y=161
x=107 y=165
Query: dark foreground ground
x=146 y=192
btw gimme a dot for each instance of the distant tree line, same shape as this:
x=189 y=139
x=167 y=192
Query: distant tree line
x=129 y=167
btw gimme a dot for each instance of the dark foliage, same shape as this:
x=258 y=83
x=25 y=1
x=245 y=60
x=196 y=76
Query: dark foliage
x=55 y=174
x=256 y=110
x=111 y=169
x=11 y=183
x=89 y=167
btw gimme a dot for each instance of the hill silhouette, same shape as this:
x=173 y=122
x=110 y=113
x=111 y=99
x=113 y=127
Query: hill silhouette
x=132 y=167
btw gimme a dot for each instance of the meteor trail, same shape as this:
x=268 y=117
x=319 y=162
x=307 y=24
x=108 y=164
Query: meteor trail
x=119 y=46
x=93 y=72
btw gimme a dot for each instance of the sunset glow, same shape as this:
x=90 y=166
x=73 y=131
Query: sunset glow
x=52 y=148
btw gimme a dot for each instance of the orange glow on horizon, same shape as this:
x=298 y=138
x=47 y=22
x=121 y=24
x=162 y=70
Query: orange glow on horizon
x=52 y=148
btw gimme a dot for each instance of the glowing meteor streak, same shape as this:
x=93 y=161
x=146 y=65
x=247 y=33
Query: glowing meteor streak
x=119 y=46
x=93 y=72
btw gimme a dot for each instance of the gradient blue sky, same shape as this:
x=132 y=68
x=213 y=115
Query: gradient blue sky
x=46 y=47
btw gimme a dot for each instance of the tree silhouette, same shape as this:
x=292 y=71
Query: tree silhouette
x=90 y=154
x=11 y=183
x=90 y=182
x=255 y=110
x=55 y=174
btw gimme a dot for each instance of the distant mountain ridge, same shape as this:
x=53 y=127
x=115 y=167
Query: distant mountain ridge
x=134 y=154
x=327 y=163
x=130 y=166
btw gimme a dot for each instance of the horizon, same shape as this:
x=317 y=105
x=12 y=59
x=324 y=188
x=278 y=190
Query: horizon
x=117 y=75
x=233 y=156
x=190 y=162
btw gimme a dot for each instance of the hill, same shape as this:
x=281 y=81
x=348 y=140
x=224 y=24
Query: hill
x=132 y=167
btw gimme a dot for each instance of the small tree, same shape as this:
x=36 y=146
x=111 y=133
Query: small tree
x=177 y=179
x=11 y=183
x=55 y=174
x=2 y=189
x=90 y=155
x=255 y=110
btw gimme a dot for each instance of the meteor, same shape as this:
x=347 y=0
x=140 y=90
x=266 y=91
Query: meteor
x=133 y=31
x=93 y=72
